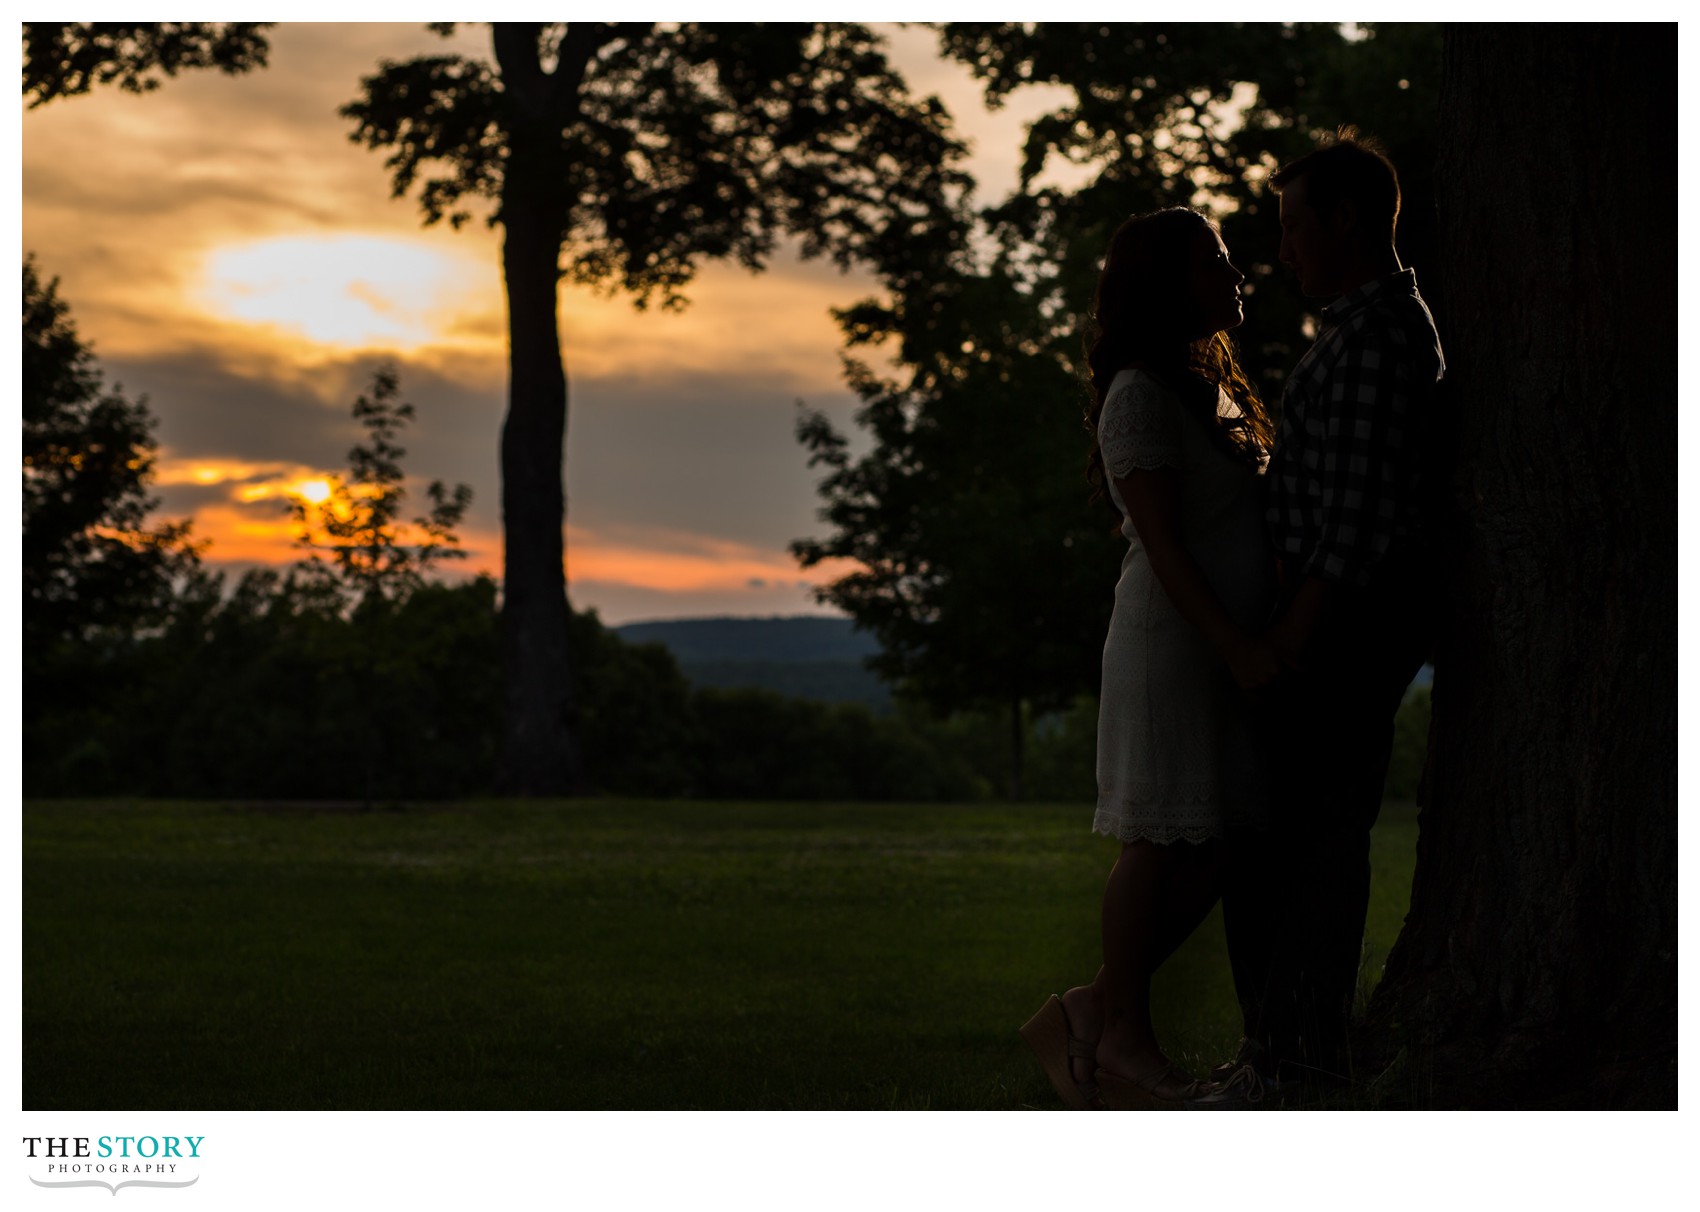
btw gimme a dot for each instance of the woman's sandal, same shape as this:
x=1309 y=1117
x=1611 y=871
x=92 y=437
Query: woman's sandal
x=1141 y=1093
x=1056 y=1047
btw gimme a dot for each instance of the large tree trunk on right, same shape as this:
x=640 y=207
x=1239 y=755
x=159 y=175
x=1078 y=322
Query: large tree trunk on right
x=1538 y=964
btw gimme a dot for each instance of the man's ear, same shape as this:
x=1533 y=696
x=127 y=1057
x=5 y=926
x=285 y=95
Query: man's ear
x=1345 y=217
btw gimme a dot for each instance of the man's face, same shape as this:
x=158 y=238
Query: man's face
x=1314 y=248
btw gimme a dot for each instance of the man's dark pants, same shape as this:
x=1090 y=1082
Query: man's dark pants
x=1297 y=892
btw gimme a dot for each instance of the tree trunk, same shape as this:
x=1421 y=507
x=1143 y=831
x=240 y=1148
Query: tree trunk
x=539 y=751
x=1537 y=967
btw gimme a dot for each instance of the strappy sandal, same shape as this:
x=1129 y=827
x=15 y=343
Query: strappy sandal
x=1048 y=1034
x=1141 y=1094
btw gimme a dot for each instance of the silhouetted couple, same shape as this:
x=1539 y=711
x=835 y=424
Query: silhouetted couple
x=1273 y=606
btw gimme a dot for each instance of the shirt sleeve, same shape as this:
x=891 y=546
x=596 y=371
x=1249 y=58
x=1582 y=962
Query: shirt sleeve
x=1140 y=428
x=1364 y=448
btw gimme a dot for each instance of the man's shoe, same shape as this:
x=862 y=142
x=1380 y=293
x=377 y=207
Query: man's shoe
x=1246 y=1088
x=1249 y=1052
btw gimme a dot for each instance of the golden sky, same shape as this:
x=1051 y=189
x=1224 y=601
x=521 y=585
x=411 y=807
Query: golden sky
x=234 y=257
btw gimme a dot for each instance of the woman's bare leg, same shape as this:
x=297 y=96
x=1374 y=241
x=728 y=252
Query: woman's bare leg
x=1155 y=898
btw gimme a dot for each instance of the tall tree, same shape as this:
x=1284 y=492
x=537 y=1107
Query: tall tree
x=621 y=156
x=983 y=568
x=1538 y=964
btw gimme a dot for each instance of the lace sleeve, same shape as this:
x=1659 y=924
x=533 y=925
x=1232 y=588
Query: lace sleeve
x=1140 y=427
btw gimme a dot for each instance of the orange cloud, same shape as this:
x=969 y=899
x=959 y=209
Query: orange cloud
x=661 y=561
x=673 y=562
x=208 y=472
x=239 y=536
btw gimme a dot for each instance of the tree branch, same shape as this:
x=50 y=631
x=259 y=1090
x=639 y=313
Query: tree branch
x=523 y=77
x=543 y=96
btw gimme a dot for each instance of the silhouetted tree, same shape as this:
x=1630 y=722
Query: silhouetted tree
x=357 y=525
x=68 y=58
x=982 y=563
x=91 y=560
x=371 y=564
x=635 y=151
x=1538 y=964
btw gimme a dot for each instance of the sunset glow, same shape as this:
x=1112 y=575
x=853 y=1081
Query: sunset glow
x=241 y=263
x=352 y=291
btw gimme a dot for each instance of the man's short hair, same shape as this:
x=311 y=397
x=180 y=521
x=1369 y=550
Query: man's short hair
x=1348 y=166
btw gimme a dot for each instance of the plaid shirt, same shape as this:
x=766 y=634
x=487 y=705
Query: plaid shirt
x=1344 y=477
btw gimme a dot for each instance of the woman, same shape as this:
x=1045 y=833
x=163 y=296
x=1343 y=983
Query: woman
x=1180 y=441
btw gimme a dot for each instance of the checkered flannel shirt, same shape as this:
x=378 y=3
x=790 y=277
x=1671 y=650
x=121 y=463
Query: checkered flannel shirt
x=1343 y=481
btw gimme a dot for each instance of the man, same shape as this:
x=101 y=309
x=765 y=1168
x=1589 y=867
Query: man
x=1342 y=506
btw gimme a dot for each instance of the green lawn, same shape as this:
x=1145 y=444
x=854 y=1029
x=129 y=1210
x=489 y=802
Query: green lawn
x=592 y=954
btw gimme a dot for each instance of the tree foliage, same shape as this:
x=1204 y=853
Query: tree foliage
x=659 y=147
x=358 y=524
x=66 y=59
x=980 y=560
x=271 y=689
x=91 y=559
x=1162 y=114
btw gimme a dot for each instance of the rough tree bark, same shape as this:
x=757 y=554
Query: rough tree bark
x=1537 y=967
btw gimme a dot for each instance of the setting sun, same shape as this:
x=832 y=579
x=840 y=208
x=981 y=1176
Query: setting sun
x=316 y=491
x=353 y=291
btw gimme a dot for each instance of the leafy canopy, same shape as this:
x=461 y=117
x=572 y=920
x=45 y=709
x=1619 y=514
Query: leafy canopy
x=69 y=58
x=652 y=147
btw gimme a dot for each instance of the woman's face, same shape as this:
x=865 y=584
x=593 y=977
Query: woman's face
x=1215 y=284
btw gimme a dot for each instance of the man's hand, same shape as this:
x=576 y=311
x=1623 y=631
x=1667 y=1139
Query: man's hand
x=1295 y=631
x=1288 y=642
x=1253 y=661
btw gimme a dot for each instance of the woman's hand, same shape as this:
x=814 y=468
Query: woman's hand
x=1253 y=661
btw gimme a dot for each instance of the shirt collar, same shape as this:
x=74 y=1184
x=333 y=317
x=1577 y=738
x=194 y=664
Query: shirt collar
x=1404 y=282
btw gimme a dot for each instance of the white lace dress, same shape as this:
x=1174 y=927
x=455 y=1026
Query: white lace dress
x=1175 y=758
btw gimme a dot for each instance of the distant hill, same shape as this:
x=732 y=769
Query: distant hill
x=804 y=657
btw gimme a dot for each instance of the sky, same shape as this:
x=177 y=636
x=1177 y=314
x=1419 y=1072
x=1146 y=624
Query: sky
x=234 y=257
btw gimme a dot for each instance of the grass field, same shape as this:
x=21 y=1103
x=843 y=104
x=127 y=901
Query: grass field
x=591 y=954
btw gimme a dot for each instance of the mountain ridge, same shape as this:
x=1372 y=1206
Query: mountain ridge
x=817 y=657
x=774 y=638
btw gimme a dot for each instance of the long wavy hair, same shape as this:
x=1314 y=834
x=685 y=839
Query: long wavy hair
x=1143 y=313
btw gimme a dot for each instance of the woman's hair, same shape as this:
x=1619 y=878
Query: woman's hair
x=1144 y=312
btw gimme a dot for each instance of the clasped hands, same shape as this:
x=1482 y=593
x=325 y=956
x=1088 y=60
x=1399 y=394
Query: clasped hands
x=1258 y=660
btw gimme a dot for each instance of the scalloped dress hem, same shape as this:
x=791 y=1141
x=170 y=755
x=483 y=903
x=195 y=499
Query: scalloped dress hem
x=1153 y=831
